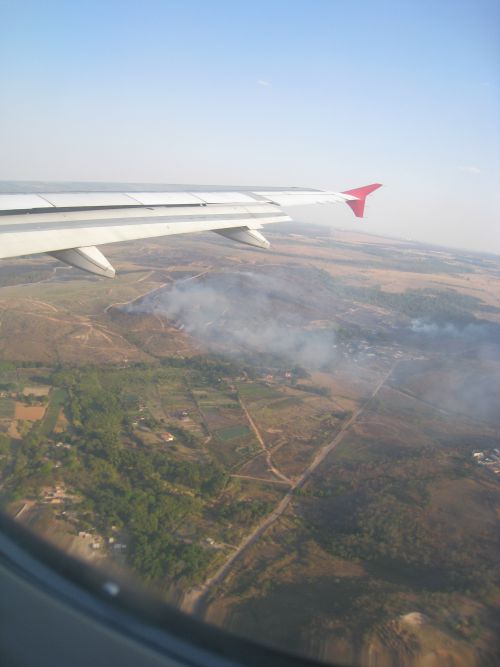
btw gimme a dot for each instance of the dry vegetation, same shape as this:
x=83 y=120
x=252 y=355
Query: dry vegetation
x=397 y=523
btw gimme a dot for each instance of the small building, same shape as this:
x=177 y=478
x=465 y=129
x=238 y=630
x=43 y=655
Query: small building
x=166 y=436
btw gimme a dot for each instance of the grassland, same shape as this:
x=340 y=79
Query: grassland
x=58 y=399
x=362 y=545
x=7 y=408
x=232 y=432
x=397 y=520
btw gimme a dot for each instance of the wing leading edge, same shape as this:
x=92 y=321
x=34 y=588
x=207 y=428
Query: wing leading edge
x=69 y=226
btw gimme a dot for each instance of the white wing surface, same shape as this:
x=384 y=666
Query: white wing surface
x=69 y=225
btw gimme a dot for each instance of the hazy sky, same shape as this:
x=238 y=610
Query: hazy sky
x=312 y=93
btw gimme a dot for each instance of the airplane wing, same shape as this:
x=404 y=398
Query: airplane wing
x=70 y=225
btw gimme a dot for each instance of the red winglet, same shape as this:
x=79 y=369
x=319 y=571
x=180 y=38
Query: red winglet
x=358 y=205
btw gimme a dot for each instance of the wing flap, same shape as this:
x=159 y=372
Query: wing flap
x=304 y=197
x=21 y=202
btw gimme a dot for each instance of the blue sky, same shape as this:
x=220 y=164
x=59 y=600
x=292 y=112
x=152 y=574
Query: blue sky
x=321 y=93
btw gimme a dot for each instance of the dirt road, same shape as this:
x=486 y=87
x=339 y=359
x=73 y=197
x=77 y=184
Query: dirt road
x=195 y=599
x=276 y=472
x=154 y=289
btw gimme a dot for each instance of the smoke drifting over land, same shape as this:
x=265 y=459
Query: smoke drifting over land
x=295 y=313
x=472 y=332
x=245 y=311
x=298 y=316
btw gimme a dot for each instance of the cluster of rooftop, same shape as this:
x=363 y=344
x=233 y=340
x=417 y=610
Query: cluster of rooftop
x=488 y=458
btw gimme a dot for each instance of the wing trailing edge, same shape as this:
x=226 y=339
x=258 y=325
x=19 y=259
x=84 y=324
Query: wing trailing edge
x=70 y=225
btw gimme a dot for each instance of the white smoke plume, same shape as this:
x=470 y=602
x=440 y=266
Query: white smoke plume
x=239 y=311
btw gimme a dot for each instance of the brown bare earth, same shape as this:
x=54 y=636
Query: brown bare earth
x=29 y=412
x=62 y=422
x=355 y=522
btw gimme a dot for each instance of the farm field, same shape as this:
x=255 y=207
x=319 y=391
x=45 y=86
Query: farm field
x=298 y=443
